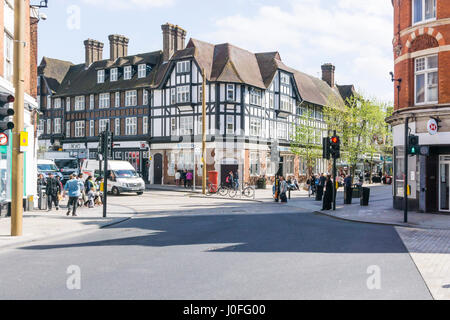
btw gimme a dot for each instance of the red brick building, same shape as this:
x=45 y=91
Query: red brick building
x=421 y=46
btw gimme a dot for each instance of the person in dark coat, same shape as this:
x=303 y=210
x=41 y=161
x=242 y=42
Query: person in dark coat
x=183 y=177
x=328 y=196
x=52 y=190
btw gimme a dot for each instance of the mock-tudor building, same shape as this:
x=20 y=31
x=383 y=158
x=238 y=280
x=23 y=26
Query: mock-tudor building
x=152 y=102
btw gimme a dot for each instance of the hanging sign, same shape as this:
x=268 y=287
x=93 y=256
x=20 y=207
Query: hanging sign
x=432 y=127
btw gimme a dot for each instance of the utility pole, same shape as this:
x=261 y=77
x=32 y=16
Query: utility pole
x=19 y=83
x=106 y=141
x=203 y=132
x=334 y=178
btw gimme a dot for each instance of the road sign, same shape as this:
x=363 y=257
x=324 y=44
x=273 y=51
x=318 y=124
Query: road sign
x=23 y=141
x=432 y=127
x=3 y=139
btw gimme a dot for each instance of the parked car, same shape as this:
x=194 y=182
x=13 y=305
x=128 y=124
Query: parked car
x=67 y=166
x=122 y=177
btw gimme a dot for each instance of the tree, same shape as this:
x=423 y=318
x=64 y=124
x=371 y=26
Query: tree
x=304 y=142
x=361 y=125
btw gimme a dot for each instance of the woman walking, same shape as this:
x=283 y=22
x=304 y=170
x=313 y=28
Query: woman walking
x=328 y=196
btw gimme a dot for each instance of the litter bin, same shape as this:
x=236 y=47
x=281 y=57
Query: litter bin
x=213 y=178
x=356 y=192
x=42 y=203
x=348 y=195
x=365 y=193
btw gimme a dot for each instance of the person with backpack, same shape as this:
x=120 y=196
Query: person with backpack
x=52 y=190
x=283 y=189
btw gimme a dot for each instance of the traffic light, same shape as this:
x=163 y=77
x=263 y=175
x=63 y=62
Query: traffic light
x=335 y=147
x=326 y=148
x=413 y=145
x=6 y=111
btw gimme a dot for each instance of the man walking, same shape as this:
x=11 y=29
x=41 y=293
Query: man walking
x=53 y=188
x=74 y=188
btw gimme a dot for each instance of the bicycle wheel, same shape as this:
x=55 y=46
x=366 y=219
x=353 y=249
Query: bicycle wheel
x=222 y=191
x=232 y=193
x=248 y=192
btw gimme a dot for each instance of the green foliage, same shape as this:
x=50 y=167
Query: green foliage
x=304 y=141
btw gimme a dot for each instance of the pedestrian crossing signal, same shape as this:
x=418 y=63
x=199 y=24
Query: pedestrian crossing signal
x=413 y=145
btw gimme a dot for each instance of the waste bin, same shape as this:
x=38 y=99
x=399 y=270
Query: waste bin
x=365 y=193
x=42 y=202
x=213 y=178
x=356 y=191
x=348 y=195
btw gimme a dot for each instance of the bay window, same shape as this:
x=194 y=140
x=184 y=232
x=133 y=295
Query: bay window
x=426 y=79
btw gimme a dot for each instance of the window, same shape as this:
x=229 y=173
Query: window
x=270 y=100
x=424 y=10
x=131 y=126
x=104 y=100
x=142 y=70
x=100 y=76
x=117 y=99
x=230 y=92
x=41 y=127
x=270 y=166
x=91 y=102
x=57 y=125
x=255 y=96
x=254 y=164
x=102 y=123
x=79 y=103
x=8 y=43
x=282 y=131
x=230 y=124
x=255 y=127
x=127 y=73
x=183 y=94
x=284 y=79
x=289 y=165
x=183 y=66
x=79 y=129
x=57 y=104
x=68 y=129
x=91 y=128
x=426 y=74
x=173 y=96
x=49 y=126
x=200 y=93
x=173 y=126
x=114 y=74
x=49 y=102
x=286 y=103
x=117 y=127
x=145 y=97
x=145 y=125
x=68 y=104
x=186 y=126
x=130 y=98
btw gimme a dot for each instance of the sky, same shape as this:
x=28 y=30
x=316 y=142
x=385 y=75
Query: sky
x=354 y=35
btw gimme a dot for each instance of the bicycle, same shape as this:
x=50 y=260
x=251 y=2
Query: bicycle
x=215 y=189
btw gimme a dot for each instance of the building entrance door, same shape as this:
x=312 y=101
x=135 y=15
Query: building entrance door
x=158 y=169
x=444 y=183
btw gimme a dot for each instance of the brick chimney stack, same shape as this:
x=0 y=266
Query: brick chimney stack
x=93 y=51
x=118 y=46
x=174 y=38
x=328 y=73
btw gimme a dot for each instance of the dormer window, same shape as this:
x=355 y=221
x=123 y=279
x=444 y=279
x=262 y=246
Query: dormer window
x=423 y=10
x=114 y=74
x=183 y=67
x=127 y=73
x=142 y=70
x=100 y=76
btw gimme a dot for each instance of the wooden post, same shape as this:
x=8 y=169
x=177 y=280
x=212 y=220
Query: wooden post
x=19 y=83
x=203 y=132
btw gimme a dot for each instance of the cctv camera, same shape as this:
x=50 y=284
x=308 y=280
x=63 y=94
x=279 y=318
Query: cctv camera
x=43 y=16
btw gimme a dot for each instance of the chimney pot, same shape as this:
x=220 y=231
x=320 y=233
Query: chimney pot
x=174 y=38
x=118 y=46
x=328 y=70
x=93 y=51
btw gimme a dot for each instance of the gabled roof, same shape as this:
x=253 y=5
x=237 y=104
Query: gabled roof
x=54 y=71
x=81 y=80
x=346 y=91
x=228 y=63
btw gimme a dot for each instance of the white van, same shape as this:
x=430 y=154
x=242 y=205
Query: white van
x=122 y=177
x=46 y=167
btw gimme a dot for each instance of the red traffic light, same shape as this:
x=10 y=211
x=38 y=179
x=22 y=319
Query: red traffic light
x=11 y=98
x=335 y=140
